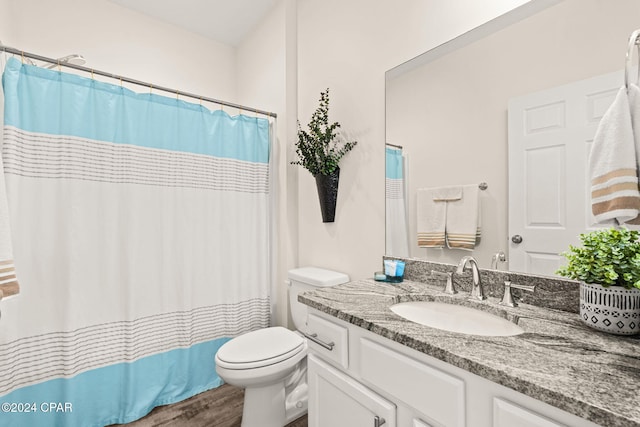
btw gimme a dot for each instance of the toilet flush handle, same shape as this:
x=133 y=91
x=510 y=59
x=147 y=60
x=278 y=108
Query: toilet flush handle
x=314 y=337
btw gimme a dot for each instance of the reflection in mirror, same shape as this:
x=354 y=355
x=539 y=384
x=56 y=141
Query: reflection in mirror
x=397 y=237
x=450 y=113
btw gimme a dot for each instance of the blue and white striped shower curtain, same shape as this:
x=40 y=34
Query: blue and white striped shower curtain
x=397 y=235
x=140 y=228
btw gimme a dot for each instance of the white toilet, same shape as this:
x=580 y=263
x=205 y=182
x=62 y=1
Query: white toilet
x=270 y=364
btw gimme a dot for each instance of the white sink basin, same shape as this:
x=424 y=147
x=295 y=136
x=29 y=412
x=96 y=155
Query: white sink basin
x=456 y=318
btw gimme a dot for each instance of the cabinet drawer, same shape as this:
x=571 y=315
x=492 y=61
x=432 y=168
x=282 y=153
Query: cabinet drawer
x=328 y=339
x=438 y=395
x=507 y=414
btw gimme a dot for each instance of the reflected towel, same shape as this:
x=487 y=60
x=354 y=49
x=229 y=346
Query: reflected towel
x=463 y=228
x=447 y=194
x=612 y=163
x=431 y=218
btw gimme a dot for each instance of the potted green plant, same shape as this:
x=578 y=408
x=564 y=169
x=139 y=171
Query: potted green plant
x=319 y=150
x=608 y=267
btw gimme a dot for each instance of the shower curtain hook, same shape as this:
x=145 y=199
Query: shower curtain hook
x=150 y=89
x=22 y=55
x=177 y=95
x=59 y=67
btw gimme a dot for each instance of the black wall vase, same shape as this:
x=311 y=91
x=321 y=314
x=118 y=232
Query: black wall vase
x=328 y=194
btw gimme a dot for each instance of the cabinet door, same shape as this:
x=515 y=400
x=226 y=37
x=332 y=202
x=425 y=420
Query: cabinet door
x=337 y=400
x=507 y=414
x=435 y=393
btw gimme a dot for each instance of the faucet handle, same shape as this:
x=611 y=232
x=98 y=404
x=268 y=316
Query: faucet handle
x=507 y=298
x=448 y=288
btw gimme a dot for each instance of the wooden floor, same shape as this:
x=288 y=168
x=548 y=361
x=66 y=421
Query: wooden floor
x=220 y=407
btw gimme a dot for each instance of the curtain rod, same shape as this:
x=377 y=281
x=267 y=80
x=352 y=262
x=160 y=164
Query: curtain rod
x=134 y=81
x=393 y=145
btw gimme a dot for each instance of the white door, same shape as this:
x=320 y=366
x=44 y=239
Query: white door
x=550 y=136
x=337 y=400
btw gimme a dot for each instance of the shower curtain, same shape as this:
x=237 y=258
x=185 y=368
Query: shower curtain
x=140 y=228
x=397 y=236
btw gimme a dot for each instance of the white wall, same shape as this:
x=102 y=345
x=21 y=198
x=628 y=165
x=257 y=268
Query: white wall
x=5 y=23
x=266 y=79
x=347 y=46
x=123 y=42
x=458 y=103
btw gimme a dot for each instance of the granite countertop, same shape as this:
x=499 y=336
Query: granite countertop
x=558 y=359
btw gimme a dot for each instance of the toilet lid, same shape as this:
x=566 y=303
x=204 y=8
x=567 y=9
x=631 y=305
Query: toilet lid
x=260 y=348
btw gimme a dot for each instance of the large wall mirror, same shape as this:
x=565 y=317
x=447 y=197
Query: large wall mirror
x=447 y=120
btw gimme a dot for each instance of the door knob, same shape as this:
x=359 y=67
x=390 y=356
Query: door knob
x=516 y=238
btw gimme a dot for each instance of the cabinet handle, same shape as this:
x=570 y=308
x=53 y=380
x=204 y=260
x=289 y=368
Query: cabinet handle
x=315 y=339
x=377 y=421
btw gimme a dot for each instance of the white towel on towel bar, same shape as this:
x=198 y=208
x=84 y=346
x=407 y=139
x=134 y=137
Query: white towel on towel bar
x=447 y=194
x=463 y=228
x=431 y=216
x=613 y=168
x=634 y=107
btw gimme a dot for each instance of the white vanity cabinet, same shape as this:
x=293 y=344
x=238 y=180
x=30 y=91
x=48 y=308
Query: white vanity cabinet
x=431 y=391
x=337 y=400
x=329 y=338
x=506 y=414
x=378 y=377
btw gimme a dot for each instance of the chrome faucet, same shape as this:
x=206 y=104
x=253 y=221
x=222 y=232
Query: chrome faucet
x=449 y=288
x=476 y=290
x=507 y=298
x=497 y=258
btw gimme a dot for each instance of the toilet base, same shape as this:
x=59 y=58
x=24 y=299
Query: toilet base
x=296 y=393
x=264 y=406
x=277 y=405
x=296 y=403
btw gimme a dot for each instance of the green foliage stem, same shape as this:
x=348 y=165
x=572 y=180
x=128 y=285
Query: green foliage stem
x=609 y=257
x=317 y=149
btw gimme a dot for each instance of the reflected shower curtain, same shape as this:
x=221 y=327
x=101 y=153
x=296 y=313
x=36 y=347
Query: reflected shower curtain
x=397 y=237
x=141 y=241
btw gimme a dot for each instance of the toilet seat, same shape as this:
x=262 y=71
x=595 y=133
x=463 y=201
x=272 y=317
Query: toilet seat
x=260 y=348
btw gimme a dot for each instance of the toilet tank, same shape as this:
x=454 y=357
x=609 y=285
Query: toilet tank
x=305 y=279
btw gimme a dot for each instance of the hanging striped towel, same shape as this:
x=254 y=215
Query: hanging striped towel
x=8 y=281
x=447 y=194
x=463 y=228
x=634 y=108
x=613 y=165
x=432 y=214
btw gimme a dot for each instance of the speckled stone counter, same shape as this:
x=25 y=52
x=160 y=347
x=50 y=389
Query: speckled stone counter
x=558 y=359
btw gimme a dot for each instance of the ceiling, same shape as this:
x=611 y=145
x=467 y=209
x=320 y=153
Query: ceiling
x=226 y=21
